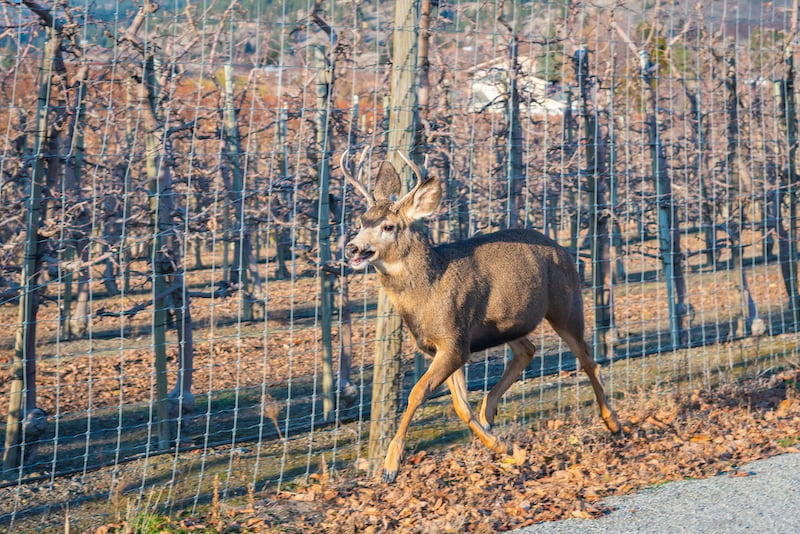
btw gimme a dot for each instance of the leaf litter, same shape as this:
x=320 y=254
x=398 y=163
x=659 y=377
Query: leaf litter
x=559 y=471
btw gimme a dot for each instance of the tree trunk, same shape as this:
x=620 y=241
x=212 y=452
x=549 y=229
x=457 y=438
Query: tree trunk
x=242 y=274
x=568 y=146
x=668 y=229
x=344 y=385
x=154 y=165
x=283 y=240
x=76 y=322
x=325 y=78
x=22 y=391
x=737 y=199
x=701 y=171
x=180 y=399
x=169 y=287
x=79 y=318
x=617 y=242
x=786 y=209
x=603 y=334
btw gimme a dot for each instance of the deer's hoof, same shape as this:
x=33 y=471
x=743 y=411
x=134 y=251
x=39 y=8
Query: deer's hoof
x=389 y=476
x=620 y=433
x=614 y=426
x=497 y=445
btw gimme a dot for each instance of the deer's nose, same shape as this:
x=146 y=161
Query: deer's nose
x=351 y=250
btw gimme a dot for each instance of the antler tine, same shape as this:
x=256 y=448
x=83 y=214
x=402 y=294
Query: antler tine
x=356 y=182
x=417 y=173
x=412 y=166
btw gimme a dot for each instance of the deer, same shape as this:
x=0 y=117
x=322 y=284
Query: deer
x=464 y=297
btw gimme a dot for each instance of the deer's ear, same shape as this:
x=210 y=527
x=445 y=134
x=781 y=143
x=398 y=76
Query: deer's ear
x=387 y=183
x=424 y=200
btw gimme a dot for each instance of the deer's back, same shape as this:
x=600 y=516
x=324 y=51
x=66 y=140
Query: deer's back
x=516 y=257
x=498 y=287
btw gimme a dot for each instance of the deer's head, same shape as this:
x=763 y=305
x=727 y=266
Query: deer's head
x=385 y=234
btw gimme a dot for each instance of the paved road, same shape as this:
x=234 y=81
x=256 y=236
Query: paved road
x=765 y=502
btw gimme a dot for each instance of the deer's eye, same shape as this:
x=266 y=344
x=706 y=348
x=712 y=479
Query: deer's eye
x=388 y=228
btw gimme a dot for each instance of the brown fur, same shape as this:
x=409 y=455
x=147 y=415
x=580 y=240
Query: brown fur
x=467 y=296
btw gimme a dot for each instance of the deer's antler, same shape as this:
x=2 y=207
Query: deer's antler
x=417 y=172
x=356 y=182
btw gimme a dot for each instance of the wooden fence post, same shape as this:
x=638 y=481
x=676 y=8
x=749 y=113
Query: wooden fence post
x=388 y=374
x=515 y=172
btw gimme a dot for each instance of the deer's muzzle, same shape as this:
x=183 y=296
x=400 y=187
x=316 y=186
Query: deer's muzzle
x=358 y=257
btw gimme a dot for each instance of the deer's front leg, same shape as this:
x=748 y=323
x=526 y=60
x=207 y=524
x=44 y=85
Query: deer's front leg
x=442 y=366
x=458 y=389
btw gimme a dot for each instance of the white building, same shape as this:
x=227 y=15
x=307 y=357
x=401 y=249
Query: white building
x=490 y=82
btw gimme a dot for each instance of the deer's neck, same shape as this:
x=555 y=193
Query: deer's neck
x=415 y=268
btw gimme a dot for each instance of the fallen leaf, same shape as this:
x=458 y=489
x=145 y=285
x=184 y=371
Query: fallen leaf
x=519 y=455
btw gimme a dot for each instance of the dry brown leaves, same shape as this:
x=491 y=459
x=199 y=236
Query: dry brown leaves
x=569 y=467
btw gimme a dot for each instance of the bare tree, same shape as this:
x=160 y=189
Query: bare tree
x=786 y=212
x=170 y=294
x=244 y=273
x=668 y=224
x=22 y=395
x=26 y=422
x=739 y=188
x=599 y=212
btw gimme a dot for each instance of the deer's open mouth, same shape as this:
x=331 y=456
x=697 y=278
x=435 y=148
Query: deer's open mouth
x=362 y=259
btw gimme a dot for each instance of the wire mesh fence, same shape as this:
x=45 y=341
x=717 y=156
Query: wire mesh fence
x=175 y=305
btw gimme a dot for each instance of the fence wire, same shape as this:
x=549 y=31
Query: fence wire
x=176 y=316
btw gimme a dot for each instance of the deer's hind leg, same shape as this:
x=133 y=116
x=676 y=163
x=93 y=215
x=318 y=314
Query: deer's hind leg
x=523 y=351
x=572 y=333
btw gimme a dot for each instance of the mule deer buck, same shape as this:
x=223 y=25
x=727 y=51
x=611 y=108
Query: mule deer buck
x=465 y=297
